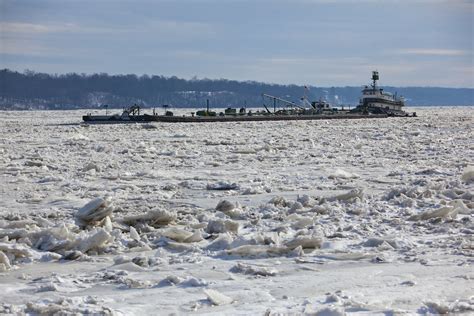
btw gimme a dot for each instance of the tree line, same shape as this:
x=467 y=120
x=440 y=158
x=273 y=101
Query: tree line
x=33 y=90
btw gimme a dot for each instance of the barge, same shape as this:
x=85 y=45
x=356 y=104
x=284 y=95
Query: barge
x=262 y=117
x=129 y=115
x=374 y=103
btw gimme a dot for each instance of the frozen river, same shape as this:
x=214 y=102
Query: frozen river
x=341 y=216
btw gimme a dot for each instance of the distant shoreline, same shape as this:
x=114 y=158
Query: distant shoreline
x=33 y=90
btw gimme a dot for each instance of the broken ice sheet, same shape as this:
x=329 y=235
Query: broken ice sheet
x=271 y=206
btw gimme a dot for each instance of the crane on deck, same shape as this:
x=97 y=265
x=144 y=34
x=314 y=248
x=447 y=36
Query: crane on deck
x=275 y=99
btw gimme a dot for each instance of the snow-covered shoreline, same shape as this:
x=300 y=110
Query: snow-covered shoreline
x=237 y=218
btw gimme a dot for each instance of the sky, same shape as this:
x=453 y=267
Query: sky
x=311 y=42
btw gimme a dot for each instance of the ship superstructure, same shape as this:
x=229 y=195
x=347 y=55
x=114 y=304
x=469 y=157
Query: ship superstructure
x=375 y=100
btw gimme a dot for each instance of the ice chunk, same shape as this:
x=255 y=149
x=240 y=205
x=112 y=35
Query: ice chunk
x=342 y=174
x=468 y=174
x=141 y=261
x=66 y=306
x=330 y=311
x=449 y=211
x=73 y=255
x=16 y=250
x=108 y=224
x=183 y=282
x=127 y=266
x=95 y=211
x=217 y=298
x=319 y=209
x=225 y=206
x=94 y=240
x=170 y=280
x=13 y=233
x=430 y=171
x=278 y=201
x=4 y=262
x=253 y=270
x=25 y=223
x=229 y=209
x=49 y=256
x=222 y=185
x=376 y=242
x=306 y=200
x=248 y=250
x=348 y=196
x=134 y=234
x=50 y=179
x=295 y=207
x=176 y=234
x=54 y=239
x=3 y=268
x=438 y=308
x=305 y=242
x=302 y=222
x=258 y=250
x=348 y=256
x=193 y=282
x=195 y=237
x=91 y=166
x=220 y=243
x=50 y=287
x=136 y=284
x=155 y=218
x=222 y=226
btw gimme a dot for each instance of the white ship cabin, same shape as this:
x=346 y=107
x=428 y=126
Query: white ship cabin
x=372 y=96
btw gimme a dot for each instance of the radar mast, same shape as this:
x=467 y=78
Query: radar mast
x=375 y=77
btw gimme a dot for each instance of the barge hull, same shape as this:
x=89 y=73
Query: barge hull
x=260 y=118
x=102 y=119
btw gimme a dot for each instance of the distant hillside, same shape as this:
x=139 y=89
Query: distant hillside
x=31 y=90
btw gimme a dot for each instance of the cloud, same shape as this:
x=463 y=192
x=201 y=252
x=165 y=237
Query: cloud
x=182 y=27
x=170 y=29
x=30 y=28
x=432 y=52
x=20 y=28
x=15 y=45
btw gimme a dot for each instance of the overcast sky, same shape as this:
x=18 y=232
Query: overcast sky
x=314 y=42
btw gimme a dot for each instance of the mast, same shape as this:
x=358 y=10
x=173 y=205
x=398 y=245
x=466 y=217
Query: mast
x=375 y=77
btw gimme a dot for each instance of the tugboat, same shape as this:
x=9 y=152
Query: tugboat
x=375 y=100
